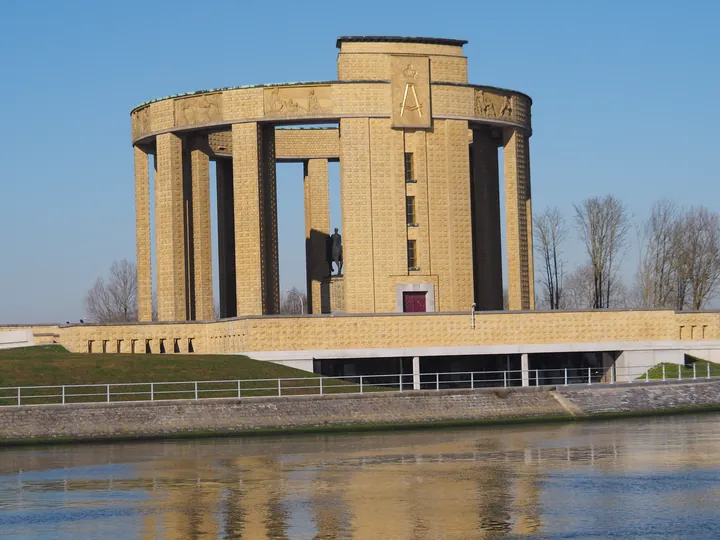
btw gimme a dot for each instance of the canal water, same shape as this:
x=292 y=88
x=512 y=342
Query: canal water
x=636 y=478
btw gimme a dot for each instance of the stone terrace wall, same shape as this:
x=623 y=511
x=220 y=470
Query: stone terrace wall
x=223 y=416
x=159 y=419
x=643 y=398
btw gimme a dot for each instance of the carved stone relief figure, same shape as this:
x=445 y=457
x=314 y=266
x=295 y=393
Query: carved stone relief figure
x=484 y=105
x=506 y=110
x=142 y=121
x=297 y=101
x=199 y=110
x=313 y=103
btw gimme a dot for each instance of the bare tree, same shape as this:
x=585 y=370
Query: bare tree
x=550 y=231
x=680 y=257
x=657 y=268
x=698 y=256
x=293 y=302
x=579 y=290
x=603 y=224
x=116 y=300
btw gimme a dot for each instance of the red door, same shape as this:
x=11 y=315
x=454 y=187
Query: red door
x=414 y=302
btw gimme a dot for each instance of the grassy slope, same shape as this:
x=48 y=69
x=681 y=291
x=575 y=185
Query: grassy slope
x=671 y=370
x=53 y=365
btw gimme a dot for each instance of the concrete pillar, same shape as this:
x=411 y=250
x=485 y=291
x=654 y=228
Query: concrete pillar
x=170 y=229
x=317 y=233
x=226 y=237
x=416 y=372
x=485 y=199
x=256 y=256
x=142 y=234
x=518 y=217
x=201 y=235
x=525 y=369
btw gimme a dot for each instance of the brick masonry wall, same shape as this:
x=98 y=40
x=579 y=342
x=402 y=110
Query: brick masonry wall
x=643 y=398
x=397 y=330
x=159 y=419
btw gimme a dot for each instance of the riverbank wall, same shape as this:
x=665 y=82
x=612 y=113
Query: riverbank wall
x=98 y=421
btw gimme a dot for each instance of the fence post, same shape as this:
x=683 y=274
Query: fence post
x=663 y=371
x=321 y=390
x=537 y=377
x=279 y=387
x=152 y=391
x=400 y=377
x=239 y=395
x=589 y=376
x=437 y=381
x=694 y=371
x=472 y=380
x=566 y=377
x=612 y=374
x=108 y=393
x=196 y=390
x=63 y=395
x=679 y=373
x=361 y=389
x=18 y=396
x=647 y=376
x=504 y=379
x=708 y=368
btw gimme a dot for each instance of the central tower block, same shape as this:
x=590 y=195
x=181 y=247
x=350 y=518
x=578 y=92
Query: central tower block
x=405 y=188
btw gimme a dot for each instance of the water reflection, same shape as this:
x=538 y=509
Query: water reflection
x=633 y=478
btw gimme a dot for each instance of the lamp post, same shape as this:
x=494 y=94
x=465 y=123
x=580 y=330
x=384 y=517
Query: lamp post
x=302 y=303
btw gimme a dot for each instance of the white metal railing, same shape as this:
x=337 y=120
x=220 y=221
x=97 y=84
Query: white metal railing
x=348 y=384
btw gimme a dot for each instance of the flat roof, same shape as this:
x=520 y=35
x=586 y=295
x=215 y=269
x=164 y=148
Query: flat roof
x=400 y=39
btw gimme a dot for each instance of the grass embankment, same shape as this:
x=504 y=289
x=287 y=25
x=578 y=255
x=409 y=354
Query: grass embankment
x=688 y=372
x=52 y=365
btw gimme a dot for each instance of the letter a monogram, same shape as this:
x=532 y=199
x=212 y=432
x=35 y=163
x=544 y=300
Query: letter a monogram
x=415 y=105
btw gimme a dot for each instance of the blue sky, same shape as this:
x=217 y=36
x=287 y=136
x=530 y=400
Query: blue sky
x=625 y=102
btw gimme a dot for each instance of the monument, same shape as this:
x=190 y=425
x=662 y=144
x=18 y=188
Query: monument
x=418 y=148
x=411 y=280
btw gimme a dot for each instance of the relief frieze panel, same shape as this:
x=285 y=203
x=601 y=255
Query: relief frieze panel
x=495 y=105
x=298 y=101
x=141 y=122
x=202 y=109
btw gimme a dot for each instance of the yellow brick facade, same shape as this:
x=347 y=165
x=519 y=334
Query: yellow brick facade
x=398 y=331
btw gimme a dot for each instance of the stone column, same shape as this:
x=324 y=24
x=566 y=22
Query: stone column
x=255 y=202
x=170 y=229
x=518 y=217
x=485 y=199
x=201 y=235
x=317 y=232
x=356 y=203
x=226 y=237
x=142 y=235
x=416 y=372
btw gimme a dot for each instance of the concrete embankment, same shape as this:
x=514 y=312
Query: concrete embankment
x=227 y=416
